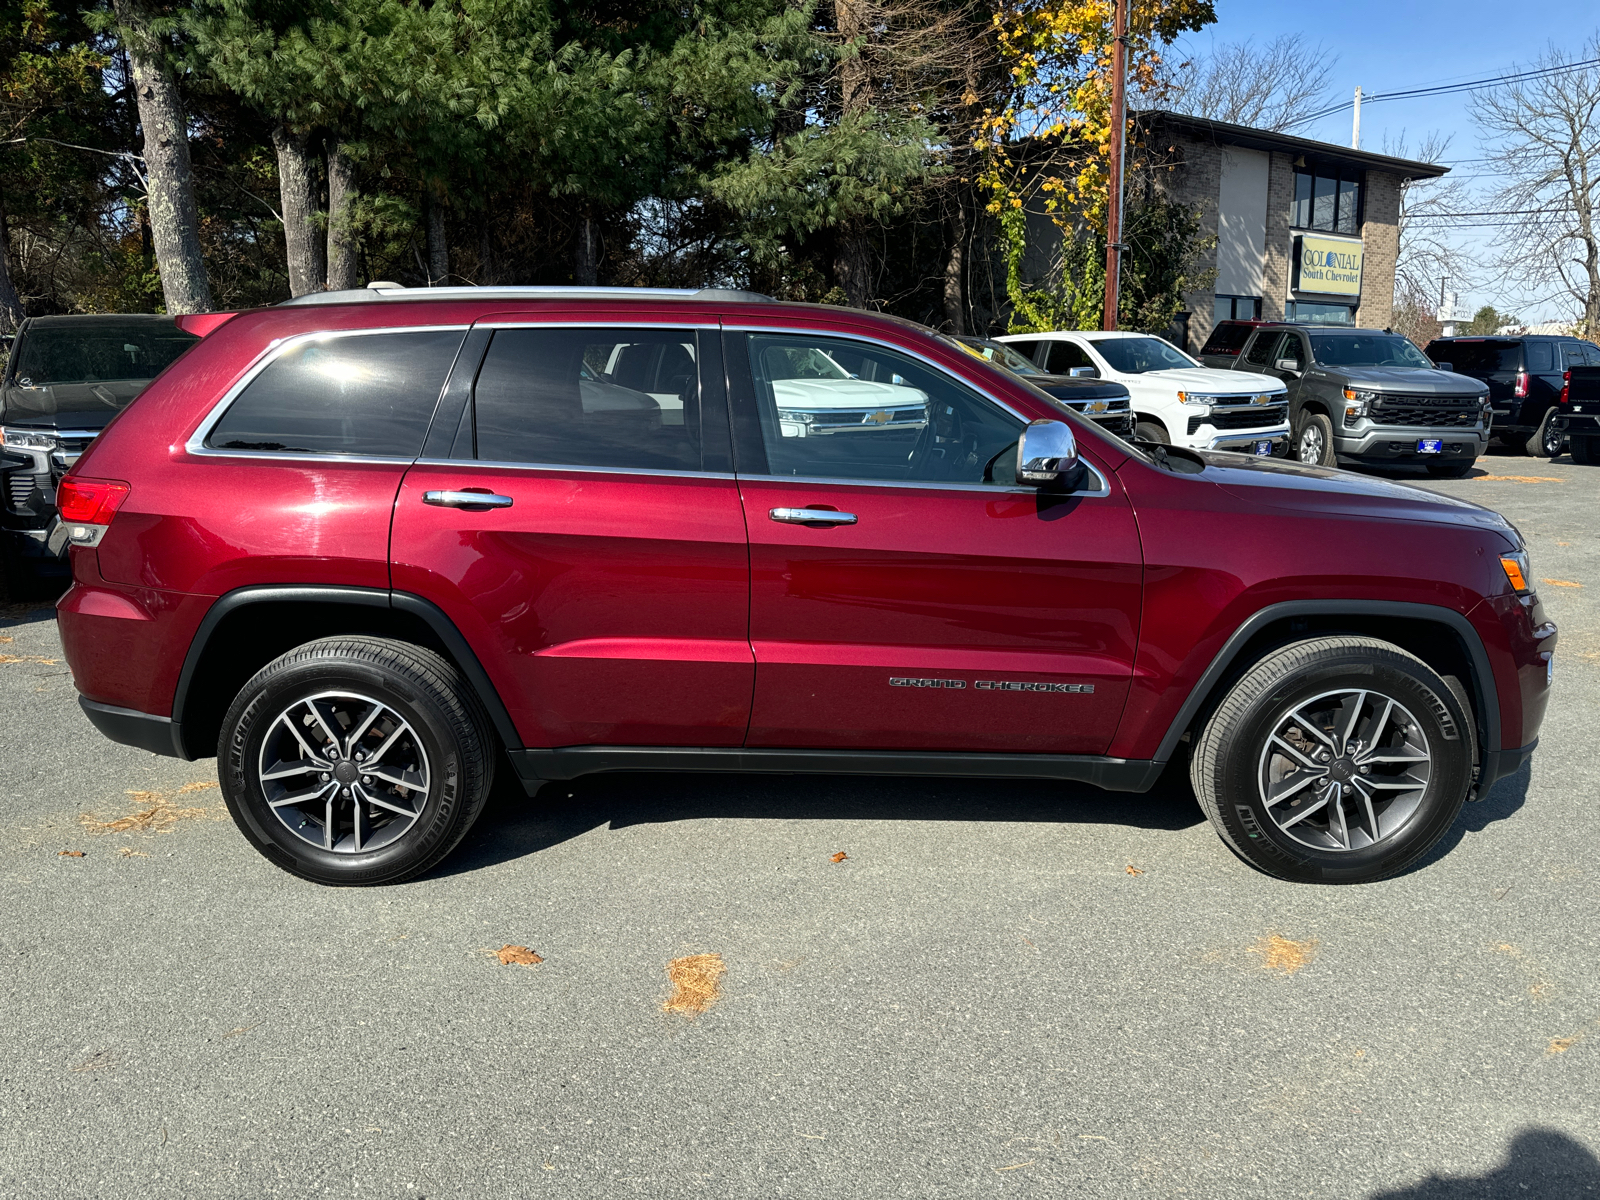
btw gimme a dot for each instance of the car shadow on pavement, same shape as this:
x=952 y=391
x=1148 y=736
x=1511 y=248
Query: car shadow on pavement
x=27 y=613
x=1539 y=1162
x=514 y=826
x=1504 y=799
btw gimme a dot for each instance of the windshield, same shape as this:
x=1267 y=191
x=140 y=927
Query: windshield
x=998 y=353
x=1136 y=355
x=100 y=352
x=1366 y=350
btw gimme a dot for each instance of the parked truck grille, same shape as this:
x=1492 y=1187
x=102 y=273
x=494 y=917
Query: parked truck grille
x=1424 y=415
x=1255 y=417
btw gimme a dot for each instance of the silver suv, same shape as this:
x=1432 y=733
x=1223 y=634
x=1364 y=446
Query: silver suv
x=1371 y=396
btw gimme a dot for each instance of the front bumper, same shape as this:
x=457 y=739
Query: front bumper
x=1244 y=440
x=1398 y=443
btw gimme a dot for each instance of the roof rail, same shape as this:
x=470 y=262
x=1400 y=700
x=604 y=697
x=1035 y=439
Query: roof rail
x=383 y=290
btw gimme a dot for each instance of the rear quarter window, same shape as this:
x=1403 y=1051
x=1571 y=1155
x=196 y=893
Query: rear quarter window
x=1540 y=358
x=370 y=395
x=1491 y=356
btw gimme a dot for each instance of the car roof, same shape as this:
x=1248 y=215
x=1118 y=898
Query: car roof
x=90 y=319
x=394 y=291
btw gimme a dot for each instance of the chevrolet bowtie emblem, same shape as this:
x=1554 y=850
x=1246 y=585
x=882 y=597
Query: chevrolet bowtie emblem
x=1096 y=406
x=881 y=417
x=1261 y=399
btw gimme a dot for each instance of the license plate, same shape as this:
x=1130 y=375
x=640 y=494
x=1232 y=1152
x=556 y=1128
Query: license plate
x=1430 y=446
x=1264 y=448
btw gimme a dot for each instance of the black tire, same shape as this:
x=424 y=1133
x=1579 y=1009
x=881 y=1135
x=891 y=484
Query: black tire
x=1231 y=764
x=1547 y=440
x=1585 y=449
x=1454 y=468
x=1151 y=431
x=1313 y=441
x=429 y=708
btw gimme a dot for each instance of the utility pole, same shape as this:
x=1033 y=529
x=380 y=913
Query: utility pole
x=1355 y=129
x=1119 y=132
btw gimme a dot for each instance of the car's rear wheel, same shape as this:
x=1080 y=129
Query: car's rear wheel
x=1313 y=440
x=355 y=760
x=1547 y=440
x=1585 y=449
x=1455 y=468
x=1335 y=760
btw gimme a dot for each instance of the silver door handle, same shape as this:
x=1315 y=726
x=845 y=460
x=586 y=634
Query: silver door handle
x=466 y=500
x=812 y=516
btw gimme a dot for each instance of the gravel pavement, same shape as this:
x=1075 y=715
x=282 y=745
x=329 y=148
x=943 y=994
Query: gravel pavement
x=1006 y=988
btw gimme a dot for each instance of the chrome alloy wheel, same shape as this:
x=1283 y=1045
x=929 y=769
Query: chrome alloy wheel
x=1311 y=448
x=344 y=772
x=1344 y=770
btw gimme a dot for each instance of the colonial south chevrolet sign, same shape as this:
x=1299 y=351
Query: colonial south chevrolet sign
x=1327 y=265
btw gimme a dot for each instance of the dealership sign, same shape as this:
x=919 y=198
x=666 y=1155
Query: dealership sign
x=1327 y=265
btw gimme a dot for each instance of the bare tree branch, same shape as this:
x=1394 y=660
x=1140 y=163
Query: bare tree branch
x=1268 y=87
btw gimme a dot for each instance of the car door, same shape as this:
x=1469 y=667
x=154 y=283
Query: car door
x=602 y=578
x=906 y=593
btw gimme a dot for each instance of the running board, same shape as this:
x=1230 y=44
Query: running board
x=568 y=762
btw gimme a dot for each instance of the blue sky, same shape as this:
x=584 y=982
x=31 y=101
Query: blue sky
x=1397 y=45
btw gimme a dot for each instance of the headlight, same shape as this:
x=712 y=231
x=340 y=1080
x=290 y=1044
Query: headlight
x=1517 y=570
x=1197 y=399
x=1357 y=402
x=28 y=440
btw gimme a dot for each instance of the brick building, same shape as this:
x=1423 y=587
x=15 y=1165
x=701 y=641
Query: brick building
x=1304 y=230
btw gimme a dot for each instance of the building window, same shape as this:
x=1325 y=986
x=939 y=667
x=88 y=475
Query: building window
x=1319 y=314
x=1327 y=199
x=1236 y=308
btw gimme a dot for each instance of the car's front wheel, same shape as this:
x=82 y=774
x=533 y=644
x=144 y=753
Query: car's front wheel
x=355 y=760
x=1313 y=440
x=1335 y=760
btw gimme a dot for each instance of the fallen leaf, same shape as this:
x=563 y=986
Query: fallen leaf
x=160 y=815
x=1562 y=583
x=1562 y=1045
x=130 y=852
x=1016 y=1166
x=5 y=641
x=839 y=857
x=1524 y=478
x=517 y=954
x=1132 y=870
x=1284 y=955
x=28 y=658
x=696 y=980
x=1563 y=543
x=70 y=854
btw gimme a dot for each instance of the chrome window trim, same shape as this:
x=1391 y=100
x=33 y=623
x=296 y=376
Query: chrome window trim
x=564 y=323
x=497 y=465
x=273 y=351
x=1101 y=492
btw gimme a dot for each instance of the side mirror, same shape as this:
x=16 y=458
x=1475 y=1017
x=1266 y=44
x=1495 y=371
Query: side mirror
x=1288 y=364
x=1439 y=366
x=1082 y=373
x=1047 y=455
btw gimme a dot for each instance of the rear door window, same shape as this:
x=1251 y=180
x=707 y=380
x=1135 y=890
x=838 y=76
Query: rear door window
x=370 y=395
x=1262 y=351
x=1062 y=357
x=590 y=397
x=1491 y=356
x=1540 y=360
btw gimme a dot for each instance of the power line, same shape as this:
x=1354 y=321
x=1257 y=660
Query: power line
x=1448 y=88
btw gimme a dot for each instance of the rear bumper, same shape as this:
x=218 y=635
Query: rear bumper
x=1497 y=764
x=1582 y=424
x=159 y=735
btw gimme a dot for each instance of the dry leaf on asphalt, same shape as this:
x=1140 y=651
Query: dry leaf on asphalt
x=70 y=854
x=696 y=981
x=1132 y=870
x=1551 y=582
x=50 y=662
x=839 y=857
x=1562 y=1045
x=5 y=641
x=160 y=815
x=517 y=954
x=1284 y=955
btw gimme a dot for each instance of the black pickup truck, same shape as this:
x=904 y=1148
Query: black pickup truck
x=1578 y=413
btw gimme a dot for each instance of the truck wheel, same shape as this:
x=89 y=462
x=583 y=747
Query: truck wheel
x=1151 y=431
x=1547 y=440
x=1335 y=760
x=355 y=760
x=1313 y=440
x=1455 y=468
x=1585 y=449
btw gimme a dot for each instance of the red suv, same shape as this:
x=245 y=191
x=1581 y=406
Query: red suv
x=370 y=547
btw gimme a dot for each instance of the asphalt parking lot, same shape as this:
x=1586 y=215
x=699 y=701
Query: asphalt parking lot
x=1004 y=988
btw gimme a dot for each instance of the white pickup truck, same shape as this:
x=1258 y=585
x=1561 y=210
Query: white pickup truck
x=1176 y=400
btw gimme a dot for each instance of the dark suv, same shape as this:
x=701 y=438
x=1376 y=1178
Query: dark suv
x=371 y=547
x=1370 y=396
x=66 y=377
x=1524 y=376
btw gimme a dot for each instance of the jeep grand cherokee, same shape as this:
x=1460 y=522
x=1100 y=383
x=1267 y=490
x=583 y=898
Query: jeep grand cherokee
x=370 y=547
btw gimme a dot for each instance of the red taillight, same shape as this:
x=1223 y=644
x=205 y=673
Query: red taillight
x=1522 y=384
x=89 y=501
x=1566 y=386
